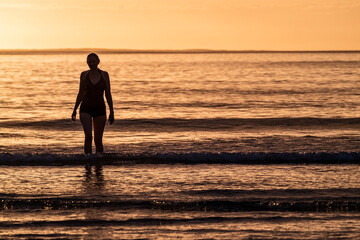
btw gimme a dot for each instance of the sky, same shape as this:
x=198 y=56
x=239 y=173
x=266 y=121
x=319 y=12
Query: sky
x=181 y=24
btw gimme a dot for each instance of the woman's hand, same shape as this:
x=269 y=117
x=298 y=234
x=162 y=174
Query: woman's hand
x=73 y=116
x=111 y=118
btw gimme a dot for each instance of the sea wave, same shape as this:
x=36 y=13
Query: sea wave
x=163 y=221
x=183 y=124
x=276 y=193
x=302 y=205
x=8 y=159
x=316 y=63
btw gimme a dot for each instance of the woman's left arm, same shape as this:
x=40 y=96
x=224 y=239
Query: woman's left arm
x=109 y=98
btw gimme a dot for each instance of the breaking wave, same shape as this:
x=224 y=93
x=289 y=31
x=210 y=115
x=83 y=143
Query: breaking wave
x=194 y=124
x=8 y=159
x=303 y=205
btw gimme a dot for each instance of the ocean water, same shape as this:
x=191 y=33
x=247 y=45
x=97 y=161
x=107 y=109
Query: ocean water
x=204 y=146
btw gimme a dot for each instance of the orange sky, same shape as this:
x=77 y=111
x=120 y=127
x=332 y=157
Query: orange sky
x=181 y=24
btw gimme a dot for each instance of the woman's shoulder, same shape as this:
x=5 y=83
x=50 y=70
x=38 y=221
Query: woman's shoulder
x=84 y=73
x=104 y=72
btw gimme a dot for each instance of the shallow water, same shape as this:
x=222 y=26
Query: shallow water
x=277 y=102
x=186 y=201
x=204 y=146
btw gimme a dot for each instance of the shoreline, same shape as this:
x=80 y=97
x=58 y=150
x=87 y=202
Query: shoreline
x=155 y=51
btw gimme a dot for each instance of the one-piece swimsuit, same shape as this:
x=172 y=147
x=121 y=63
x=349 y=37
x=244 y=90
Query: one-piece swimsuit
x=93 y=101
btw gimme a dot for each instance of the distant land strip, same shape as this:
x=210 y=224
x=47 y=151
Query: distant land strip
x=155 y=51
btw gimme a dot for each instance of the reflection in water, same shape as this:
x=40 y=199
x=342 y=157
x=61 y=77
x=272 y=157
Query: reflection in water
x=94 y=184
x=94 y=178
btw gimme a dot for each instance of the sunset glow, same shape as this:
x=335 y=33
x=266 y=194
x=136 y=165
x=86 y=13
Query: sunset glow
x=181 y=24
x=186 y=119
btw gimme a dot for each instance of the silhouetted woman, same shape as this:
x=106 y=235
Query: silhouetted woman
x=93 y=84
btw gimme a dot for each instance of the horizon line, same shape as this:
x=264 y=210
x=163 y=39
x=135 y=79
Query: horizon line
x=153 y=51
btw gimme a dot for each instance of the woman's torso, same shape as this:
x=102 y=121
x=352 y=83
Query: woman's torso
x=94 y=94
x=95 y=91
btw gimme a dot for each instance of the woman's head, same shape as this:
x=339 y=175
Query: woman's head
x=93 y=60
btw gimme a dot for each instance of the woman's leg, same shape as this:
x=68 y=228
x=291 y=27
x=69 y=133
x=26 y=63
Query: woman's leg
x=86 y=121
x=99 y=125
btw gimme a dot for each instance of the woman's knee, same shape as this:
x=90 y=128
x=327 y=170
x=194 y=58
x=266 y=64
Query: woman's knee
x=98 y=141
x=88 y=136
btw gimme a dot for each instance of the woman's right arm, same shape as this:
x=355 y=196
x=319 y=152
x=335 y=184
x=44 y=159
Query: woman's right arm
x=80 y=95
